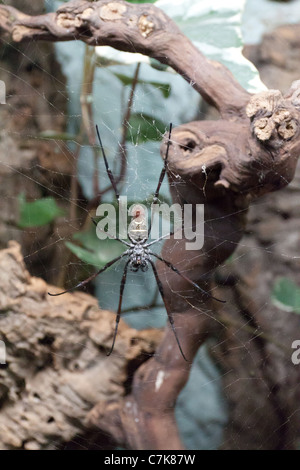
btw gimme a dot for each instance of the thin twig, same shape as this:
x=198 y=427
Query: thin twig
x=123 y=151
x=86 y=100
x=126 y=119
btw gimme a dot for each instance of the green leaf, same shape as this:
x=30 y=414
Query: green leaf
x=143 y=127
x=94 y=251
x=164 y=88
x=81 y=253
x=155 y=64
x=56 y=135
x=37 y=213
x=286 y=295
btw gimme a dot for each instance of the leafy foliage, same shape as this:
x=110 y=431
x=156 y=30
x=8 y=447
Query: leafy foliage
x=93 y=251
x=144 y=127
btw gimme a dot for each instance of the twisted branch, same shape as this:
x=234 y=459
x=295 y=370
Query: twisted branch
x=141 y=28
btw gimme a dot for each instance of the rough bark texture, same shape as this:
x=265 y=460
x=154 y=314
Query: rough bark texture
x=134 y=28
x=33 y=166
x=251 y=151
x=56 y=359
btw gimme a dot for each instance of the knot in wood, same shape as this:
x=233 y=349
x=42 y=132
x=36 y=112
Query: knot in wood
x=81 y=18
x=272 y=115
x=263 y=128
x=20 y=32
x=288 y=129
x=281 y=115
x=263 y=103
x=112 y=11
x=65 y=20
x=145 y=26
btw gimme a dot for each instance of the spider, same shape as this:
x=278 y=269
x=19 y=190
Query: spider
x=139 y=254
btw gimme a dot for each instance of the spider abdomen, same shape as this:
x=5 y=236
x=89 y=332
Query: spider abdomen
x=139 y=257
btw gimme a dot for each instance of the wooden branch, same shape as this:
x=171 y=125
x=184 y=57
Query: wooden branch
x=55 y=354
x=129 y=27
x=250 y=157
x=222 y=164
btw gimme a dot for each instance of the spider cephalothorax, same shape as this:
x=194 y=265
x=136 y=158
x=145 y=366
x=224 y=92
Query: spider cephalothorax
x=138 y=254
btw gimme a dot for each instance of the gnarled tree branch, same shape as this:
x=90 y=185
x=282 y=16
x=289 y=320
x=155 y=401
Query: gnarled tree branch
x=133 y=28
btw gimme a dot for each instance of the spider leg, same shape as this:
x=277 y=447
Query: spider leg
x=170 y=265
x=162 y=175
x=159 y=239
x=113 y=183
x=108 y=170
x=164 y=169
x=86 y=281
x=122 y=286
x=170 y=316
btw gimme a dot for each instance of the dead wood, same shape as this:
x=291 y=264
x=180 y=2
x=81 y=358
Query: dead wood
x=225 y=165
x=56 y=366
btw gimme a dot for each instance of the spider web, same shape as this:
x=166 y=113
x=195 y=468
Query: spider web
x=202 y=410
